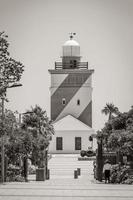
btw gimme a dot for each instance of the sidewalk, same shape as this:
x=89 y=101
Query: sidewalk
x=65 y=187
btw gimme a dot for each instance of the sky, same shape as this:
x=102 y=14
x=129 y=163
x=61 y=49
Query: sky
x=36 y=31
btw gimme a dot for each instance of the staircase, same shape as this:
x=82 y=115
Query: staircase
x=63 y=166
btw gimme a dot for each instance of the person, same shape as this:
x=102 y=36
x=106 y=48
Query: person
x=107 y=171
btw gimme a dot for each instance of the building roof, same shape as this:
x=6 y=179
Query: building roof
x=70 y=123
x=71 y=43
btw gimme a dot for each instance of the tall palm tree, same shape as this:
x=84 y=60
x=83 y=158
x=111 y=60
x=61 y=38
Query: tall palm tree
x=110 y=109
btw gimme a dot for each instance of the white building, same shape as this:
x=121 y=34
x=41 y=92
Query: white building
x=71 y=136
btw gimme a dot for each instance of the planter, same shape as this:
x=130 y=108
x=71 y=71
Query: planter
x=40 y=174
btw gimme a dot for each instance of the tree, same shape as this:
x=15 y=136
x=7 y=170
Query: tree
x=9 y=127
x=19 y=145
x=10 y=69
x=36 y=122
x=9 y=122
x=121 y=141
x=118 y=132
x=110 y=109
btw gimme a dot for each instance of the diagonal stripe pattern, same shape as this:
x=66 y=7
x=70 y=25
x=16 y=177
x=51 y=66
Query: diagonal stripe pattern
x=67 y=89
x=84 y=95
x=86 y=115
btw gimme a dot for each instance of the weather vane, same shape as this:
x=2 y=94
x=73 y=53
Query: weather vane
x=72 y=35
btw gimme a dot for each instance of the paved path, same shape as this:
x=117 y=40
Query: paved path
x=64 y=187
x=63 y=166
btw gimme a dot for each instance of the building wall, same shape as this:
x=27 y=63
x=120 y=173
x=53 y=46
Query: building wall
x=69 y=141
x=71 y=85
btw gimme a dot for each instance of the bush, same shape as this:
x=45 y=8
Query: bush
x=16 y=178
x=82 y=153
x=129 y=180
x=32 y=169
x=88 y=153
x=120 y=174
x=14 y=174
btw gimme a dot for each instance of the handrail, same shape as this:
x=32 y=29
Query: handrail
x=79 y=65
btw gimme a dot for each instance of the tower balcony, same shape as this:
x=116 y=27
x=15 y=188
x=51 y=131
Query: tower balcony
x=77 y=65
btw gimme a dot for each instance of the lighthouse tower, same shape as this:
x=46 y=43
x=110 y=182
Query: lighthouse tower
x=71 y=89
x=71 y=101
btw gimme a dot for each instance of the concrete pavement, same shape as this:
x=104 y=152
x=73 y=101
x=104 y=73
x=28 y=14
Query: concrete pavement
x=64 y=187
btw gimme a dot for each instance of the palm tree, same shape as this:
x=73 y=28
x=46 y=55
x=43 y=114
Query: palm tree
x=36 y=121
x=110 y=109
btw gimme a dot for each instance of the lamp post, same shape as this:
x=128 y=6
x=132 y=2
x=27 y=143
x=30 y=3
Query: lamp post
x=99 y=157
x=2 y=145
x=3 y=135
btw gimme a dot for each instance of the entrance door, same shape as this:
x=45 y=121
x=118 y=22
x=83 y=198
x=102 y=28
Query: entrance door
x=59 y=143
x=77 y=143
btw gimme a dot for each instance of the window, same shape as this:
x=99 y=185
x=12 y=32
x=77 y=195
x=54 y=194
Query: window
x=63 y=101
x=75 y=63
x=77 y=143
x=59 y=143
x=78 y=102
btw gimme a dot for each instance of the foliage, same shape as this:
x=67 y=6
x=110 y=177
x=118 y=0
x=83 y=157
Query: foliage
x=122 y=141
x=8 y=124
x=32 y=169
x=18 y=142
x=10 y=73
x=30 y=139
x=119 y=122
x=14 y=174
x=119 y=174
x=10 y=69
x=36 y=122
x=110 y=109
x=19 y=145
x=129 y=180
x=88 y=153
x=117 y=133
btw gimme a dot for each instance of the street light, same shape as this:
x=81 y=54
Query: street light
x=3 y=136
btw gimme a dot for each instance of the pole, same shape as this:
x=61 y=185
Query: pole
x=99 y=160
x=2 y=147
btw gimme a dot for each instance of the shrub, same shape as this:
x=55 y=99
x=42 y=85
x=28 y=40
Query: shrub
x=32 y=169
x=129 y=180
x=120 y=174
x=14 y=174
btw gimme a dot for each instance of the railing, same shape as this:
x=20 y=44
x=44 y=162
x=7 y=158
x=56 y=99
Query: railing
x=78 y=65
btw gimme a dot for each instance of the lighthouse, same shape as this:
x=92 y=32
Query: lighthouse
x=71 y=95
